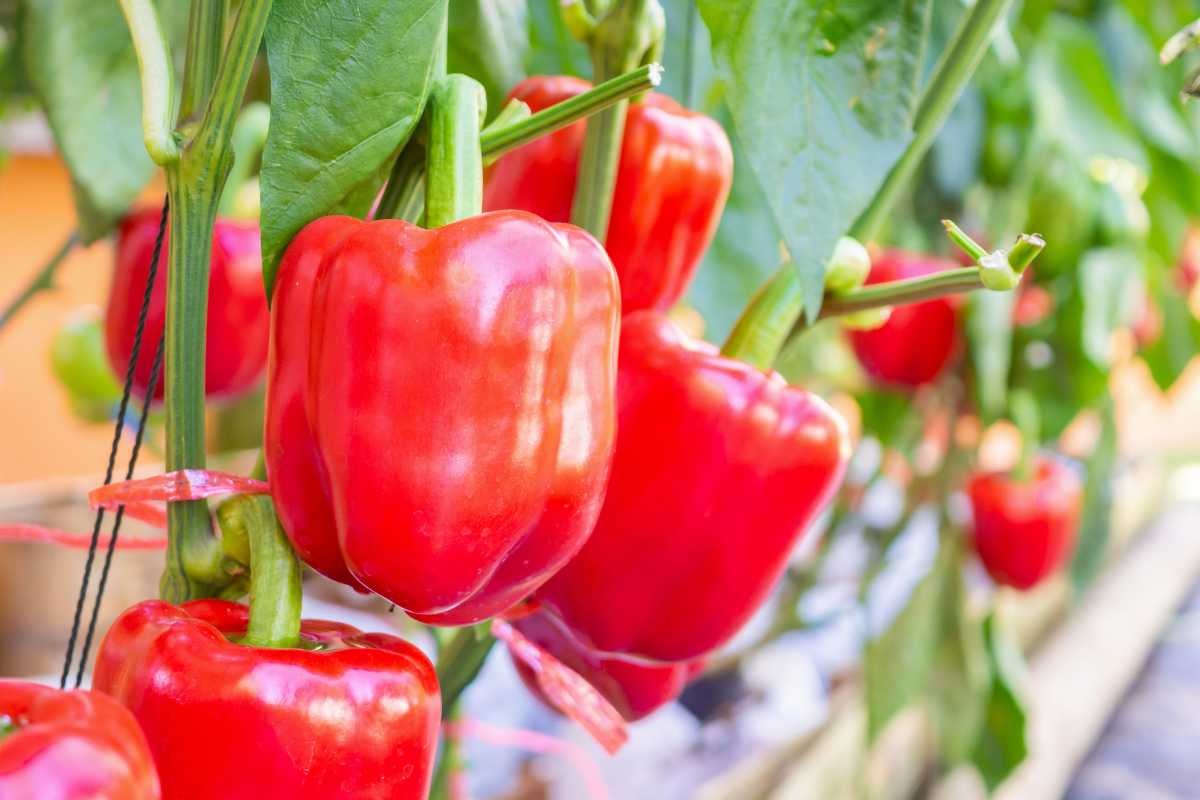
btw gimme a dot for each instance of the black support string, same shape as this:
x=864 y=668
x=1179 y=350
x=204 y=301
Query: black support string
x=112 y=461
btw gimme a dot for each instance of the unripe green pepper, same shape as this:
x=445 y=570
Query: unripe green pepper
x=80 y=364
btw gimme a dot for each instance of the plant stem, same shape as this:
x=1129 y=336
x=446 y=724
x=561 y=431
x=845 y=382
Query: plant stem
x=1025 y=416
x=910 y=290
x=43 y=280
x=206 y=33
x=460 y=658
x=629 y=31
x=157 y=78
x=454 y=187
x=958 y=62
x=499 y=140
x=763 y=327
x=403 y=198
x=195 y=183
x=448 y=761
x=274 y=570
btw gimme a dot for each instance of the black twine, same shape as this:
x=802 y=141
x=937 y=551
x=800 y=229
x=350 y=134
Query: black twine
x=112 y=460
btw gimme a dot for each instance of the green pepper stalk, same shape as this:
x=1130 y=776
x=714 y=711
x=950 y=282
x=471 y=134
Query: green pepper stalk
x=250 y=529
x=630 y=33
x=454 y=187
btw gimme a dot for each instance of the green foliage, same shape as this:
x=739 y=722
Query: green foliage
x=489 y=40
x=552 y=51
x=822 y=100
x=342 y=104
x=79 y=59
x=989 y=334
x=1002 y=743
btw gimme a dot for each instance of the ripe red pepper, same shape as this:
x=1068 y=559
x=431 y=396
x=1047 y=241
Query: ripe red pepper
x=440 y=406
x=1024 y=530
x=918 y=341
x=236 y=341
x=719 y=470
x=346 y=715
x=674 y=175
x=57 y=745
x=635 y=690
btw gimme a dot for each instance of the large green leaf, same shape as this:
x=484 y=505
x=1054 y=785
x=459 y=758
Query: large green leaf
x=1002 y=745
x=961 y=681
x=349 y=80
x=489 y=40
x=79 y=58
x=822 y=96
x=1095 y=524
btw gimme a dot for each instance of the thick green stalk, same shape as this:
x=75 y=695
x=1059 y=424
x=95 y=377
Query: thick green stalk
x=630 y=31
x=275 y=594
x=195 y=183
x=43 y=280
x=449 y=761
x=206 y=37
x=157 y=78
x=454 y=186
x=898 y=293
x=403 y=198
x=951 y=75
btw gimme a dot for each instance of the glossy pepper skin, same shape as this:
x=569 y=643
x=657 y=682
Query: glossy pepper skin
x=674 y=176
x=918 y=341
x=349 y=715
x=451 y=410
x=1025 y=530
x=236 y=340
x=635 y=690
x=71 y=746
x=719 y=469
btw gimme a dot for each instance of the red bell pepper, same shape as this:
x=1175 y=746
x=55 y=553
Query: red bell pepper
x=440 y=405
x=635 y=690
x=57 y=745
x=919 y=340
x=1024 y=530
x=345 y=715
x=719 y=469
x=674 y=175
x=236 y=341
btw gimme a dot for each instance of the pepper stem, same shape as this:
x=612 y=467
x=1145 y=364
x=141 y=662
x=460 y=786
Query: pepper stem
x=454 y=186
x=628 y=33
x=460 y=657
x=760 y=332
x=274 y=570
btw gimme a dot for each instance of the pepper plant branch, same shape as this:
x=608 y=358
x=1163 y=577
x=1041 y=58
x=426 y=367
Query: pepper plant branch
x=206 y=38
x=623 y=38
x=43 y=280
x=958 y=62
x=157 y=78
x=274 y=570
x=195 y=183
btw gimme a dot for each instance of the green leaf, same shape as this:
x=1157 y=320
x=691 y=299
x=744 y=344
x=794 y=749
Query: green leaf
x=1095 y=523
x=489 y=40
x=79 y=58
x=990 y=334
x=898 y=663
x=822 y=96
x=1179 y=343
x=349 y=80
x=1002 y=745
x=552 y=51
x=1110 y=285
